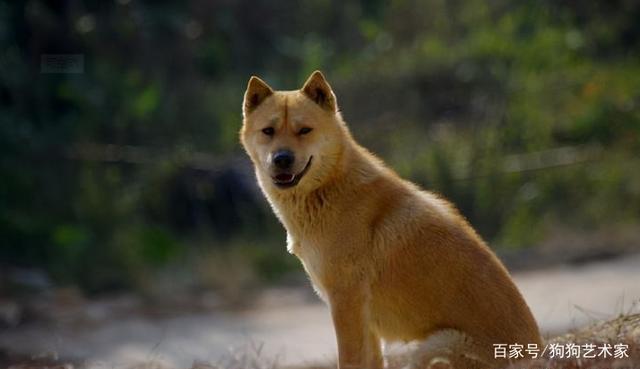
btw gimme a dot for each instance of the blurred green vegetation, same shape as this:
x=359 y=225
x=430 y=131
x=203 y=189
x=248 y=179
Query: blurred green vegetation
x=525 y=114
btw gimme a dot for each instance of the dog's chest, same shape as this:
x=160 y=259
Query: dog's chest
x=314 y=263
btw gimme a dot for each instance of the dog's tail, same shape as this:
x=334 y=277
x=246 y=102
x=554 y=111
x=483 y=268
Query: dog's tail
x=450 y=349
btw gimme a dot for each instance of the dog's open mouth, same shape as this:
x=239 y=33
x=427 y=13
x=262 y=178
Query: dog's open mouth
x=286 y=180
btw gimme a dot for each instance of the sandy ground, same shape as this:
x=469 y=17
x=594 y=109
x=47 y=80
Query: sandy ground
x=297 y=330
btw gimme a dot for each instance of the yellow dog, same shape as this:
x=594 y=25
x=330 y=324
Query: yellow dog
x=392 y=261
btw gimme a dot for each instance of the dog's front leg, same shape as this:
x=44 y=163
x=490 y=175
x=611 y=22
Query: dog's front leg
x=358 y=346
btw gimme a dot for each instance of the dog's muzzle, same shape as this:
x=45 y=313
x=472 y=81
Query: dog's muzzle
x=287 y=180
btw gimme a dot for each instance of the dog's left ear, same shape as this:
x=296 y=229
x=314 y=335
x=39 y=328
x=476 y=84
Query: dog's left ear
x=317 y=89
x=257 y=91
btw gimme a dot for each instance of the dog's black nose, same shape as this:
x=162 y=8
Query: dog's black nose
x=283 y=159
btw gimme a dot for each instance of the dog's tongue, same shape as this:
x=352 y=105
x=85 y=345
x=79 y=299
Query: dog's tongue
x=284 y=178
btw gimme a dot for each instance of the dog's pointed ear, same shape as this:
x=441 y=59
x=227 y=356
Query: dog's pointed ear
x=257 y=91
x=317 y=89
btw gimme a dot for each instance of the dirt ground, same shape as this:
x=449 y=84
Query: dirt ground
x=294 y=327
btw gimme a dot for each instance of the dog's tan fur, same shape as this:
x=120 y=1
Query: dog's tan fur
x=393 y=262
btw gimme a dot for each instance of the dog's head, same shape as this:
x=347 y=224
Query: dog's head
x=294 y=138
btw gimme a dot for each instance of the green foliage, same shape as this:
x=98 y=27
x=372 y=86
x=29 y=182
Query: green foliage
x=525 y=114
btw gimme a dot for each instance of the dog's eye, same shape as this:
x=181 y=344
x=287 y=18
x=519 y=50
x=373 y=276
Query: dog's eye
x=269 y=131
x=304 y=130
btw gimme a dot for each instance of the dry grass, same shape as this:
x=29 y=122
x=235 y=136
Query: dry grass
x=625 y=329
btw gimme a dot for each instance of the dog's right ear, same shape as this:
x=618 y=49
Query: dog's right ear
x=257 y=91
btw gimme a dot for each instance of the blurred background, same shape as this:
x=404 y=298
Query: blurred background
x=124 y=191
